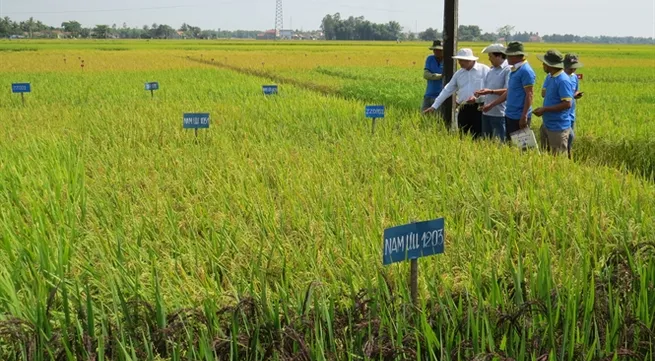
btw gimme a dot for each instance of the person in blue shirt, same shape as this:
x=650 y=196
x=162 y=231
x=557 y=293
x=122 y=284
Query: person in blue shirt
x=519 y=94
x=571 y=64
x=433 y=73
x=555 y=111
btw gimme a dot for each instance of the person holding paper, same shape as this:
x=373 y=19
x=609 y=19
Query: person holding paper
x=495 y=85
x=465 y=81
x=555 y=111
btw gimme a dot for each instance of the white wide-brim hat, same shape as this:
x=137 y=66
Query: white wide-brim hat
x=465 y=54
x=494 y=48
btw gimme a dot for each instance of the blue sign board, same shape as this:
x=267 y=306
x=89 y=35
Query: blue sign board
x=269 y=89
x=375 y=111
x=21 y=88
x=152 y=86
x=413 y=240
x=196 y=120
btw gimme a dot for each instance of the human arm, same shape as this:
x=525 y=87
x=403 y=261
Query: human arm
x=499 y=100
x=428 y=75
x=565 y=92
x=527 y=80
x=432 y=70
x=577 y=94
x=563 y=105
x=523 y=122
x=486 y=91
x=447 y=91
x=502 y=93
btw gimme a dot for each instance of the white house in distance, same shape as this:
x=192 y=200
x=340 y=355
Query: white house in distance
x=286 y=33
x=290 y=35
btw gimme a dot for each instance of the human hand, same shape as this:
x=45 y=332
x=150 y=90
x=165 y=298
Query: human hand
x=482 y=92
x=523 y=122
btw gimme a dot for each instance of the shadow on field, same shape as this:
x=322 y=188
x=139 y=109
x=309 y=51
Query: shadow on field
x=633 y=155
x=375 y=325
x=345 y=93
x=4 y=49
x=343 y=75
x=265 y=74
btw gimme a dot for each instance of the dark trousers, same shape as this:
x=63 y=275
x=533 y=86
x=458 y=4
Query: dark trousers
x=469 y=120
x=512 y=125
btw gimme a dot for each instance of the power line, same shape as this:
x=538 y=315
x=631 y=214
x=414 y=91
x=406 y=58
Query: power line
x=333 y=4
x=76 y=11
x=114 y=10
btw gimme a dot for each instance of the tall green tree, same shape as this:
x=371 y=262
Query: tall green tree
x=506 y=32
x=73 y=27
x=101 y=31
x=328 y=26
x=468 y=33
x=429 y=34
x=358 y=28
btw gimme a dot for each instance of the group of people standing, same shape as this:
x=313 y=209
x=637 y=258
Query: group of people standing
x=496 y=101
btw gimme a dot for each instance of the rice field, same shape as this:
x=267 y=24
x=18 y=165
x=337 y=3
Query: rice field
x=125 y=237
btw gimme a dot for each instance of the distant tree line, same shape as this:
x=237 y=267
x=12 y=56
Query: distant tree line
x=74 y=29
x=506 y=33
x=464 y=33
x=334 y=27
x=357 y=28
x=8 y=27
x=570 y=38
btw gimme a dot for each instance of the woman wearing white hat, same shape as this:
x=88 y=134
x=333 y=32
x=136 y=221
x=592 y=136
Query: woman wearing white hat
x=466 y=81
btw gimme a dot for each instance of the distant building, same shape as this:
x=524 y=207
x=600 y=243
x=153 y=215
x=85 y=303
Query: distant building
x=290 y=35
x=286 y=33
x=268 y=35
x=536 y=38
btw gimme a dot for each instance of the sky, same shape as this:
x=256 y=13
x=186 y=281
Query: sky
x=579 y=17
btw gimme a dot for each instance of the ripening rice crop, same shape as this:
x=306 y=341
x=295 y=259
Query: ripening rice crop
x=125 y=237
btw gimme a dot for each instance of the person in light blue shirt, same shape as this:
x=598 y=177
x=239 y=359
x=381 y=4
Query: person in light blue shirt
x=495 y=84
x=433 y=73
x=555 y=111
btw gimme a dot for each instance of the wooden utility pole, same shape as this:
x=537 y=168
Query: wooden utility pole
x=449 y=48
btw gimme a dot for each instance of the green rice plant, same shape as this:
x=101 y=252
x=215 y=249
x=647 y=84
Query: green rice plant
x=125 y=237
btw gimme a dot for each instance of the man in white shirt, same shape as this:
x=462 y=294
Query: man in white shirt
x=466 y=81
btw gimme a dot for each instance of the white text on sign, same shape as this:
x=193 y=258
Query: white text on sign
x=196 y=120
x=412 y=241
